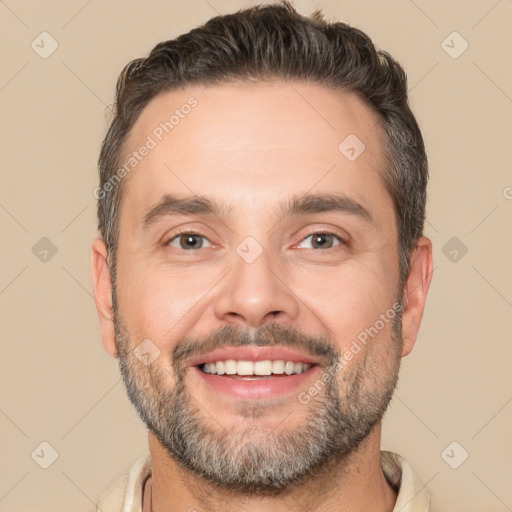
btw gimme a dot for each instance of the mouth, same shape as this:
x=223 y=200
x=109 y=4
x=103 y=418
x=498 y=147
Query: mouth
x=255 y=370
x=253 y=377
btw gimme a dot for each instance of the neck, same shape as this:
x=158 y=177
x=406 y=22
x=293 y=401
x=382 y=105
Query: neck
x=354 y=483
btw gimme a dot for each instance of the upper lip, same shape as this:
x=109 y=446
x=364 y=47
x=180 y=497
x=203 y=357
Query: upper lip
x=252 y=353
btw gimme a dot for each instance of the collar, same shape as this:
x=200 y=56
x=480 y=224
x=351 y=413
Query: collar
x=412 y=495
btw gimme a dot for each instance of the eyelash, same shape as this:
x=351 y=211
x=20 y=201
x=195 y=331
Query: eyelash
x=343 y=241
x=181 y=233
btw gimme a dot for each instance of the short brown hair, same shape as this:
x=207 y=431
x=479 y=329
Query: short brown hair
x=275 y=41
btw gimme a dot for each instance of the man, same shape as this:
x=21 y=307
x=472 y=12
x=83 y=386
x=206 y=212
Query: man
x=261 y=269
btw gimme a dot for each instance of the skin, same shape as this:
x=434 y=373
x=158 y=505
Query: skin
x=249 y=147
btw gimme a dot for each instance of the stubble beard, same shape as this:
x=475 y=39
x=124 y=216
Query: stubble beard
x=253 y=460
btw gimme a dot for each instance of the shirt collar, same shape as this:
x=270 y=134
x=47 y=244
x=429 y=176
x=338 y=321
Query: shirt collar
x=412 y=495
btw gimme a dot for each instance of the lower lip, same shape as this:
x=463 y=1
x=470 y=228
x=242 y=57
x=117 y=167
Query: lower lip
x=269 y=387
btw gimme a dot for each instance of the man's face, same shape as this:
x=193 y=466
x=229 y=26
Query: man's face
x=257 y=272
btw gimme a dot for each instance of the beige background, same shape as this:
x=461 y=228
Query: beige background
x=57 y=384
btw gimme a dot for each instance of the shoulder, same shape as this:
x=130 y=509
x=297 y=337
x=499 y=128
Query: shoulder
x=413 y=495
x=125 y=495
x=112 y=500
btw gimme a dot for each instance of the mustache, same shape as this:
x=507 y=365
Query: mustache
x=269 y=335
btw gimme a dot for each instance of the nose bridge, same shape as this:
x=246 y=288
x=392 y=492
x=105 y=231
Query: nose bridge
x=254 y=291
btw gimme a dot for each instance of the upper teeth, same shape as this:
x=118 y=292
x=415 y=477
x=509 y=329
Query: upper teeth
x=232 y=367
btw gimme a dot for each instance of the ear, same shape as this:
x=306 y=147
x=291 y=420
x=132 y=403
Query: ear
x=102 y=287
x=415 y=292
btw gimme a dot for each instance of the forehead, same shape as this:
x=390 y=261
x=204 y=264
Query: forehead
x=253 y=144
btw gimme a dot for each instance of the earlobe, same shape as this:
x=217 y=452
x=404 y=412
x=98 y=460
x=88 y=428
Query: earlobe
x=415 y=292
x=102 y=290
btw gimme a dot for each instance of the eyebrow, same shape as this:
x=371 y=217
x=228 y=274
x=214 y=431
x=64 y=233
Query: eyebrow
x=172 y=205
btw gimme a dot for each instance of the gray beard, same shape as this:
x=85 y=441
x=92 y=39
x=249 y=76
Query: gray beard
x=252 y=460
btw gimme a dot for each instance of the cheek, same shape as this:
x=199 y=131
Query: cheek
x=156 y=303
x=350 y=301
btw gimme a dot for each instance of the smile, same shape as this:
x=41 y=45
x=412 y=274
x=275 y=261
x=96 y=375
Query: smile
x=254 y=368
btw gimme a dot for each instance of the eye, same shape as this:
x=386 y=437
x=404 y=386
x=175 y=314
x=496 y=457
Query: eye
x=322 y=241
x=189 y=241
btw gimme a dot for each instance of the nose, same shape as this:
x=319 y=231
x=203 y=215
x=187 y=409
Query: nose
x=256 y=293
